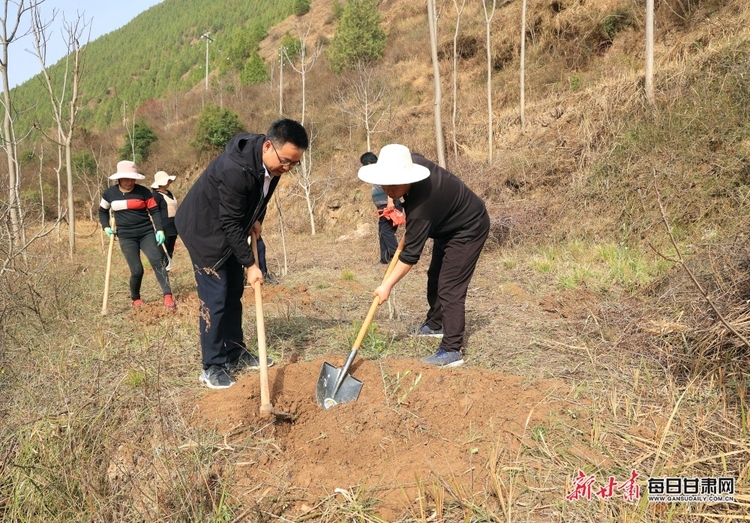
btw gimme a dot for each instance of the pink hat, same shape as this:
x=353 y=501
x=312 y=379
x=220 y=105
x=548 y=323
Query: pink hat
x=161 y=178
x=127 y=169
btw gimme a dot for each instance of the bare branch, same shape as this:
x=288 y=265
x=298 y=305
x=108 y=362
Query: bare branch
x=681 y=261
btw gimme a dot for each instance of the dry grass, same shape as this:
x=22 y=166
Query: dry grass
x=92 y=421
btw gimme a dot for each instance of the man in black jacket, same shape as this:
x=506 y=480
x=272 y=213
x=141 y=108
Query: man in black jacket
x=439 y=206
x=225 y=204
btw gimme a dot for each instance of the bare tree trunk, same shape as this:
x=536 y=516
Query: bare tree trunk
x=488 y=22
x=650 y=53
x=455 y=75
x=282 y=51
x=12 y=16
x=523 y=65
x=282 y=231
x=43 y=214
x=305 y=64
x=58 y=181
x=65 y=118
x=439 y=139
x=365 y=98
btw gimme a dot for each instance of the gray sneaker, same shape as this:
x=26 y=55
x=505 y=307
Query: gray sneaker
x=215 y=377
x=270 y=279
x=247 y=361
x=426 y=331
x=444 y=358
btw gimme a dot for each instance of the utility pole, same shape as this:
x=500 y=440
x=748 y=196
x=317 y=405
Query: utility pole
x=208 y=40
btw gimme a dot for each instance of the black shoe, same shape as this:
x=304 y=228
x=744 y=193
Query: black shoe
x=215 y=377
x=425 y=330
x=247 y=361
x=269 y=279
x=444 y=358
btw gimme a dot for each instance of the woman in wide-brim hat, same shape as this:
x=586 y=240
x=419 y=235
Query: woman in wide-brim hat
x=167 y=207
x=136 y=216
x=439 y=206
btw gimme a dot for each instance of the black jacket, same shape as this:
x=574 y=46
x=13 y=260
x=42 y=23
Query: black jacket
x=215 y=216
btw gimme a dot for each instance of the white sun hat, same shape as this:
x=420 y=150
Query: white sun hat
x=394 y=167
x=127 y=169
x=161 y=178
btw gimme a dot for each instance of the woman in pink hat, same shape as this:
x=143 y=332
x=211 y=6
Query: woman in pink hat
x=136 y=216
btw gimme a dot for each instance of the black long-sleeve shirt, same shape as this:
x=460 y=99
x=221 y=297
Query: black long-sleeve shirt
x=132 y=210
x=441 y=206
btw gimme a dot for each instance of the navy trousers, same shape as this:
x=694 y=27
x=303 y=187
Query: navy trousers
x=220 y=293
x=387 y=235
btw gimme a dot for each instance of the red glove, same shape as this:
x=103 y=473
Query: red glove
x=394 y=215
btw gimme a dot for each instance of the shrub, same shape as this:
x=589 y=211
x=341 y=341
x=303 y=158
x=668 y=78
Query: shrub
x=359 y=36
x=216 y=125
x=138 y=143
x=301 y=7
x=255 y=71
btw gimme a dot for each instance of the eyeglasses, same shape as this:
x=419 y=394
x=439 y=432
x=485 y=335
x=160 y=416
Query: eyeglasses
x=285 y=163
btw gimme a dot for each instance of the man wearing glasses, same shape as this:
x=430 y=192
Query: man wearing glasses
x=217 y=215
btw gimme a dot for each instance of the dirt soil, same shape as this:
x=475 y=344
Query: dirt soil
x=447 y=425
x=412 y=424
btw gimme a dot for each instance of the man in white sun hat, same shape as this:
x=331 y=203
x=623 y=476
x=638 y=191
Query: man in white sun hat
x=439 y=206
x=137 y=216
x=167 y=207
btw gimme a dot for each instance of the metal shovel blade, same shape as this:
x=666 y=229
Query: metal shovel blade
x=324 y=389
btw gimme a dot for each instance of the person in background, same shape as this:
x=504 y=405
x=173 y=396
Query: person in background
x=386 y=227
x=439 y=206
x=267 y=276
x=216 y=216
x=137 y=216
x=167 y=207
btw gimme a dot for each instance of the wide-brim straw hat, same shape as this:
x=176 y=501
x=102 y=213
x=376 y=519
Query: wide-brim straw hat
x=394 y=167
x=127 y=169
x=161 y=178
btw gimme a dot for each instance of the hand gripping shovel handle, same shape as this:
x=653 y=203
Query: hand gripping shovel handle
x=368 y=320
x=265 y=393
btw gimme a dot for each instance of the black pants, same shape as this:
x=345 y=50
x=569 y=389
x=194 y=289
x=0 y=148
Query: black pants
x=262 y=256
x=131 y=249
x=220 y=293
x=387 y=235
x=169 y=245
x=452 y=266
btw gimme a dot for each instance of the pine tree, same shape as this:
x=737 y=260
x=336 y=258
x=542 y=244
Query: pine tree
x=255 y=71
x=301 y=7
x=359 y=36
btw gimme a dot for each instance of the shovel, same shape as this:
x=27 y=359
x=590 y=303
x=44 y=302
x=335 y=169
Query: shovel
x=169 y=258
x=266 y=409
x=336 y=385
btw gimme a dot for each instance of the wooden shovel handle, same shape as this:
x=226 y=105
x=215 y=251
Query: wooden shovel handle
x=105 y=300
x=376 y=300
x=265 y=392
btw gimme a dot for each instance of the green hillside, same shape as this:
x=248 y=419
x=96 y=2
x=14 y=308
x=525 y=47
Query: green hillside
x=157 y=53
